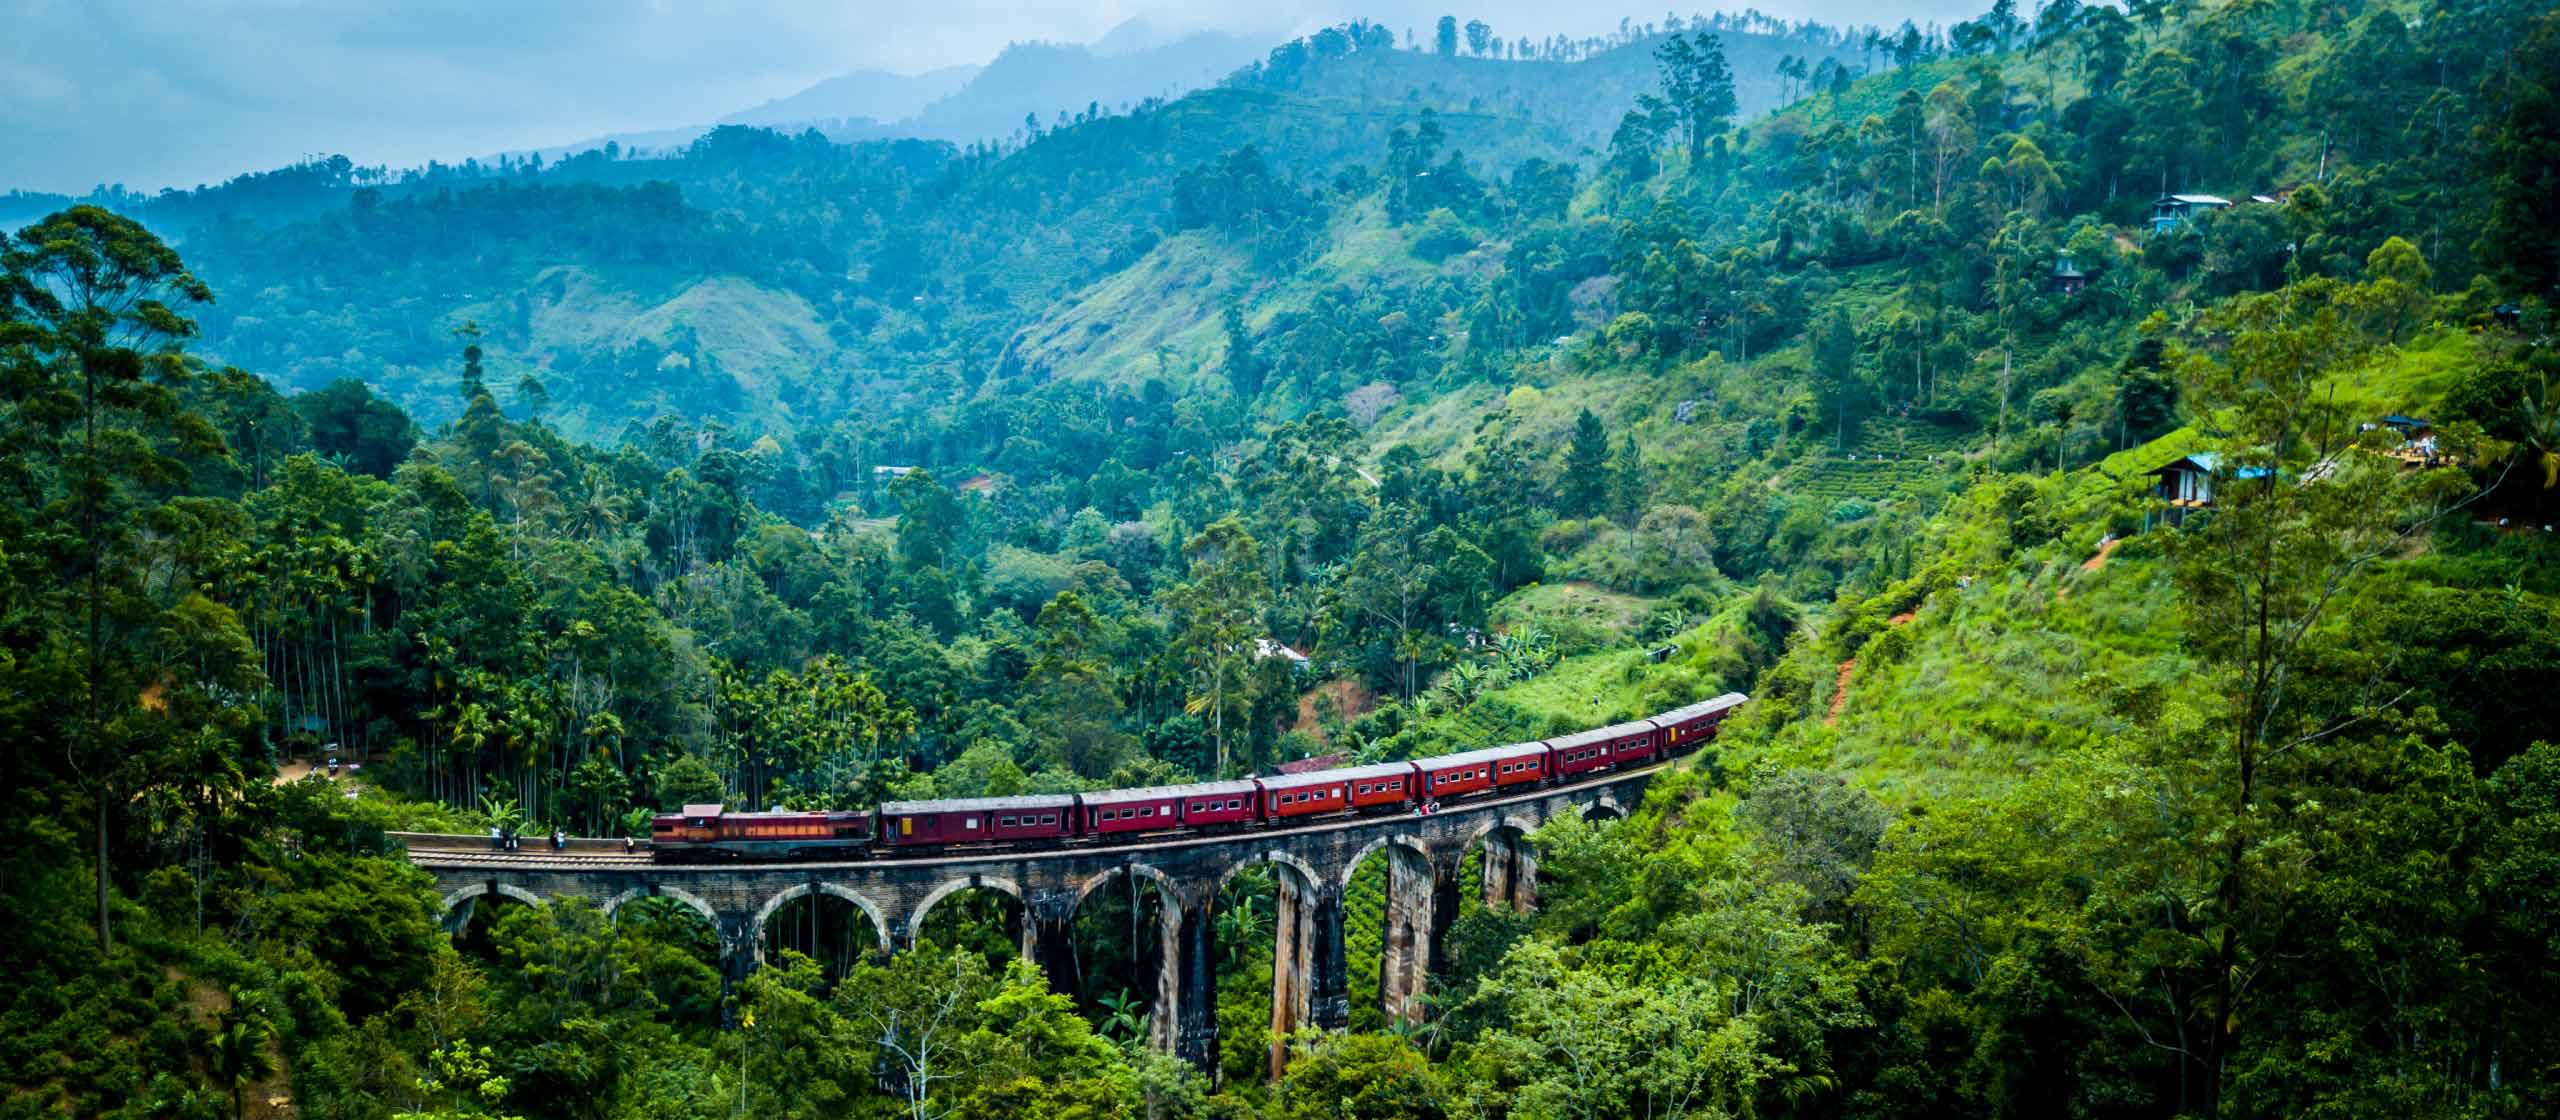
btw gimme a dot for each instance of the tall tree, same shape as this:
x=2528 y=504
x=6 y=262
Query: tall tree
x=2523 y=157
x=1388 y=585
x=929 y=518
x=2258 y=580
x=98 y=432
x=1584 y=486
x=1219 y=612
x=1699 y=86
x=1245 y=369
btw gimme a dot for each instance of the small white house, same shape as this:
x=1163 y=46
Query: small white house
x=2174 y=210
x=1265 y=649
x=2188 y=482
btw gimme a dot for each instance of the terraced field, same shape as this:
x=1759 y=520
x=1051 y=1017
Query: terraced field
x=1834 y=480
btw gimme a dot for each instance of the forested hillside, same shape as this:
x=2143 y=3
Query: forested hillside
x=1522 y=387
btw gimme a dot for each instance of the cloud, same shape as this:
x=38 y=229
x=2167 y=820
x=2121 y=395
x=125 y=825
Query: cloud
x=154 y=94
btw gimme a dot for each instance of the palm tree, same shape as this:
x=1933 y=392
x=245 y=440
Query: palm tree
x=239 y=1054
x=2542 y=431
x=597 y=507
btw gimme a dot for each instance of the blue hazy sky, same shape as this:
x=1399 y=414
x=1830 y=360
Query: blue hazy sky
x=153 y=94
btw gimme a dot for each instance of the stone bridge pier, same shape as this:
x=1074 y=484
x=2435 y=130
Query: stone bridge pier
x=1312 y=866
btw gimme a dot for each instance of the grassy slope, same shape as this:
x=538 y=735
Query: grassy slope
x=2039 y=655
x=1156 y=318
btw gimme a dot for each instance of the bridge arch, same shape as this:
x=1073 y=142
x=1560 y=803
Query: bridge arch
x=1406 y=842
x=1306 y=872
x=1490 y=826
x=1173 y=895
x=691 y=901
x=870 y=909
x=1604 y=807
x=502 y=890
x=916 y=917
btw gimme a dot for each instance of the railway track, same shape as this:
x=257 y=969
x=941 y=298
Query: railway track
x=527 y=859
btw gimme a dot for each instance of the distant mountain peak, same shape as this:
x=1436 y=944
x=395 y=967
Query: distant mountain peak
x=876 y=95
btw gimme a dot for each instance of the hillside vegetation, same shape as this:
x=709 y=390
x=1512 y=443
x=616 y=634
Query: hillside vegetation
x=791 y=472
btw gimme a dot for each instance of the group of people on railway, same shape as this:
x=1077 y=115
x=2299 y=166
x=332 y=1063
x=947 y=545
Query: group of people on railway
x=503 y=839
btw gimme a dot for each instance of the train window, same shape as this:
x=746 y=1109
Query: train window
x=1007 y=822
x=1148 y=811
x=1048 y=818
x=971 y=824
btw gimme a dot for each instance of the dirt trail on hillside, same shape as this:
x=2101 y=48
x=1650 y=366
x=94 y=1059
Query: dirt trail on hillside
x=2091 y=565
x=1840 y=692
x=1849 y=668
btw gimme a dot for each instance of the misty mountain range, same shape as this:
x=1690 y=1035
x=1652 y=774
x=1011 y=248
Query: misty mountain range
x=965 y=103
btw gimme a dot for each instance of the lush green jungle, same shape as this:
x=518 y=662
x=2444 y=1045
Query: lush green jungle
x=1516 y=394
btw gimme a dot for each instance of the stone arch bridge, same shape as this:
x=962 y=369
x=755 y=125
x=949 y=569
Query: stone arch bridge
x=1313 y=865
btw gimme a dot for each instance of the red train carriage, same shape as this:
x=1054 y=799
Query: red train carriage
x=1218 y=804
x=1299 y=795
x=1151 y=809
x=1684 y=728
x=908 y=824
x=1383 y=784
x=1620 y=744
x=1579 y=753
x=1469 y=771
x=1520 y=764
x=714 y=830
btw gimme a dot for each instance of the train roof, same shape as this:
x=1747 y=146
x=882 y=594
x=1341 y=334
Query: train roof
x=1703 y=708
x=1602 y=734
x=1159 y=793
x=1342 y=774
x=978 y=804
x=1484 y=754
x=722 y=812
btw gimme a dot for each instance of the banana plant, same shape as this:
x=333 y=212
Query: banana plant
x=1124 y=1016
x=503 y=812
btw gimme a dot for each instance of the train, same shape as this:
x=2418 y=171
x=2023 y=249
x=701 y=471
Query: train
x=907 y=828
